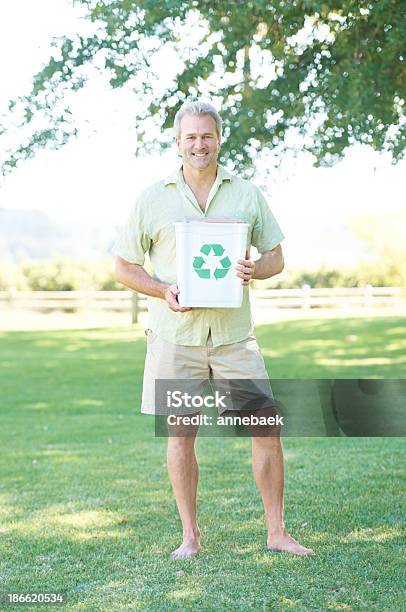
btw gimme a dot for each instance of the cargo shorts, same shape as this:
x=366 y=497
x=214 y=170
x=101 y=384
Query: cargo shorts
x=238 y=367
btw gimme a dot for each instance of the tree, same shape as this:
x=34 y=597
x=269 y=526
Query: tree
x=322 y=74
x=384 y=234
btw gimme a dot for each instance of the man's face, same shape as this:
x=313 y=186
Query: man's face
x=198 y=141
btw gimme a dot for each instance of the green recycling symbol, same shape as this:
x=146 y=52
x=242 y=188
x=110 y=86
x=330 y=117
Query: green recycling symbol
x=211 y=265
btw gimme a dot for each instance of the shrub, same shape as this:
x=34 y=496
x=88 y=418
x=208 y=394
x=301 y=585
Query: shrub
x=12 y=277
x=377 y=275
x=65 y=274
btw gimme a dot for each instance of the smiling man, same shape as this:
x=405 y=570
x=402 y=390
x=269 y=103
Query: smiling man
x=201 y=343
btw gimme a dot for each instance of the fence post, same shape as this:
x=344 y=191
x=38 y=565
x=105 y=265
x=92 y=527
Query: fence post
x=368 y=294
x=87 y=301
x=12 y=295
x=305 y=297
x=134 y=302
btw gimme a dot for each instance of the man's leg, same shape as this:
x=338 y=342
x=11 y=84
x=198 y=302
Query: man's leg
x=184 y=474
x=267 y=466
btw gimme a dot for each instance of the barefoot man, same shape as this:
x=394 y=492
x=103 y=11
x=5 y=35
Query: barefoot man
x=200 y=343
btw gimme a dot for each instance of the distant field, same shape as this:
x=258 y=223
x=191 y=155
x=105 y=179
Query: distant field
x=86 y=506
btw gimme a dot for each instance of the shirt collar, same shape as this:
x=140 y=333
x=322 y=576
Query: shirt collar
x=177 y=177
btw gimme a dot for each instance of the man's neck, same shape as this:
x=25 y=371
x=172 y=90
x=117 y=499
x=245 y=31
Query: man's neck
x=198 y=179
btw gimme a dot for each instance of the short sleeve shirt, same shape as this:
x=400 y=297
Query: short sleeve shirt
x=150 y=229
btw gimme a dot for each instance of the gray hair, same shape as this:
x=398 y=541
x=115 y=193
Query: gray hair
x=197 y=107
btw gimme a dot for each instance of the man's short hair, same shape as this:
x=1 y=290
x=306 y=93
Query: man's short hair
x=197 y=107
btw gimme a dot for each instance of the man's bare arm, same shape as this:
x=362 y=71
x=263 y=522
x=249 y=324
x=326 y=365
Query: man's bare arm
x=136 y=278
x=269 y=264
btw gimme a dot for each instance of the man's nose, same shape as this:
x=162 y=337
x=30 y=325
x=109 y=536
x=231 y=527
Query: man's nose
x=199 y=142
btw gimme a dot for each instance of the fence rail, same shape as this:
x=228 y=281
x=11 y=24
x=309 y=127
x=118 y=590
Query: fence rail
x=127 y=301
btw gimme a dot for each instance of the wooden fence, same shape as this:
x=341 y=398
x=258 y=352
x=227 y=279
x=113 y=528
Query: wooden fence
x=128 y=301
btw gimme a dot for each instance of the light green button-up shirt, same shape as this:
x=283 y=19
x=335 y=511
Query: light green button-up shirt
x=149 y=229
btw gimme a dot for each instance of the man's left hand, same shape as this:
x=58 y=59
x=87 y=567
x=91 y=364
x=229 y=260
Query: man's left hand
x=245 y=269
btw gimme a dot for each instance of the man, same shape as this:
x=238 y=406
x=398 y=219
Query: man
x=193 y=343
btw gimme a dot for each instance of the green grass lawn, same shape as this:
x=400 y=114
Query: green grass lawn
x=86 y=506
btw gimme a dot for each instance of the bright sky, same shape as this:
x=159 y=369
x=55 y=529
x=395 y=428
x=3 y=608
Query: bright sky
x=95 y=178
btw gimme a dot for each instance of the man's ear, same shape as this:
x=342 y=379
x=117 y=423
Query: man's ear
x=178 y=151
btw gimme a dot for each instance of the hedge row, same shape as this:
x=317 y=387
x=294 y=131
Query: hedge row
x=72 y=275
x=59 y=275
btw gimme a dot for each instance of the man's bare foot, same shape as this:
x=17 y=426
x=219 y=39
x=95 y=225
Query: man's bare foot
x=283 y=542
x=189 y=548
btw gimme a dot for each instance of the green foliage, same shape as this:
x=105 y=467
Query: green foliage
x=385 y=235
x=328 y=73
x=12 y=277
x=66 y=274
x=52 y=276
x=377 y=275
x=62 y=275
x=102 y=276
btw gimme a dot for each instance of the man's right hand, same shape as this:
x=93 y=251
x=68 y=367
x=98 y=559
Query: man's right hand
x=170 y=296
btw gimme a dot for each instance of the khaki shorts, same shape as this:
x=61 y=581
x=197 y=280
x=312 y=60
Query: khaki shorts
x=164 y=361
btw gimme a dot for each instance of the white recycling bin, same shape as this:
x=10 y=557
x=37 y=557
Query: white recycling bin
x=206 y=255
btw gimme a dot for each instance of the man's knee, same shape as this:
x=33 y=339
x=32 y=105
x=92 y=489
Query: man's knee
x=265 y=423
x=182 y=434
x=180 y=427
x=267 y=443
x=181 y=442
x=180 y=449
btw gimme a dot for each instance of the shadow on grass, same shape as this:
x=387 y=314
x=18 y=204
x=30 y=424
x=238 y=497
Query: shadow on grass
x=88 y=507
x=337 y=348
x=108 y=545
x=125 y=564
